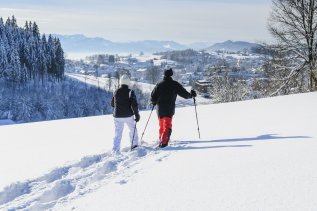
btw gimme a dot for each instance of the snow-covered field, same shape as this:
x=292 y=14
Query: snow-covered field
x=6 y=122
x=252 y=155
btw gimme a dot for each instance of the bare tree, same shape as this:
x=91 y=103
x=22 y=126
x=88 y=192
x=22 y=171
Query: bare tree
x=284 y=75
x=227 y=89
x=293 y=24
x=109 y=83
x=153 y=74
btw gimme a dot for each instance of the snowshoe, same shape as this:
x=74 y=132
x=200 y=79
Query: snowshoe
x=161 y=145
x=134 y=146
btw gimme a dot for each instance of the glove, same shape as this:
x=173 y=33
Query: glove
x=137 y=117
x=193 y=93
x=153 y=104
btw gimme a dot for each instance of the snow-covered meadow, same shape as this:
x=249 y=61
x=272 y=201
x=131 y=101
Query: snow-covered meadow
x=252 y=155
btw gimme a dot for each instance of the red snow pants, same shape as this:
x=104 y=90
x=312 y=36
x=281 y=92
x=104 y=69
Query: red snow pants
x=165 y=129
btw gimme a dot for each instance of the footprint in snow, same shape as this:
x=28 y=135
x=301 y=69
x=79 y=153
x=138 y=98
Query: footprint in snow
x=122 y=182
x=14 y=191
x=49 y=198
x=89 y=160
x=56 y=174
x=108 y=167
x=139 y=152
x=61 y=189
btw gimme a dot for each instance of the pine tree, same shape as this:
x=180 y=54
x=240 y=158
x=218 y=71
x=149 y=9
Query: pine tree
x=59 y=59
x=36 y=31
x=25 y=55
x=26 y=26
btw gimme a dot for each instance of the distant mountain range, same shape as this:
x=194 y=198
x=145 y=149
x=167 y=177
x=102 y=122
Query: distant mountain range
x=80 y=43
x=232 y=46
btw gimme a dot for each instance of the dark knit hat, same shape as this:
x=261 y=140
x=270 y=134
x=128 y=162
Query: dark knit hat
x=168 y=72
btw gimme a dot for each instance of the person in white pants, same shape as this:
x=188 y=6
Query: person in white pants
x=119 y=125
x=125 y=107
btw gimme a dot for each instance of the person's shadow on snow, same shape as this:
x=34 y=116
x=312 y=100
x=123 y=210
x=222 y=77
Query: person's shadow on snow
x=186 y=145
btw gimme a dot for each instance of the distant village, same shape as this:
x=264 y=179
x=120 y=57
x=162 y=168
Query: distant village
x=191 y=68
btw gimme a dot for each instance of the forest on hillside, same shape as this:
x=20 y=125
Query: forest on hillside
x=33 y=86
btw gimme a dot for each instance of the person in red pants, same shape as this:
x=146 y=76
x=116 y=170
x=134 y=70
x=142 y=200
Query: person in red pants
x=164 y=96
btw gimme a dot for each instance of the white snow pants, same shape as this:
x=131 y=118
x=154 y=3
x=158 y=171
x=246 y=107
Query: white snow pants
x=119 y=125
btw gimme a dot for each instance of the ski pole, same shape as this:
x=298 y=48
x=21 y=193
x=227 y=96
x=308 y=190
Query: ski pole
x=147 y=122
x=196 y=117
x=133 y=136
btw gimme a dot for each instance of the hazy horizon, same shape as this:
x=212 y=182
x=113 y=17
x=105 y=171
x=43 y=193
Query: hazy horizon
x=182 y=21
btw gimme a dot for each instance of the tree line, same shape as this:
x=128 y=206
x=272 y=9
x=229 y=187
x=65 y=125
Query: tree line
x=55 y=100
x=32 y=82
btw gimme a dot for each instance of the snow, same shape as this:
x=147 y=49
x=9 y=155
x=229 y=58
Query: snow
x=6 y=122
x=253 y=155
x=79 y=56
x=235 y=55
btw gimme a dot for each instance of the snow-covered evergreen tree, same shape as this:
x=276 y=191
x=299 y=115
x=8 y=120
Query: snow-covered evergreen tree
x=32 y=82
x=24 y=50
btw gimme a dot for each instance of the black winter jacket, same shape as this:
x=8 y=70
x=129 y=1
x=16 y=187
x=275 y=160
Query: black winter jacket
x=123 y=104
x=164 y=96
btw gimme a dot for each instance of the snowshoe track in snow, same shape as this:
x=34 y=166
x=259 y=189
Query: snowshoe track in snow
x=72 y=181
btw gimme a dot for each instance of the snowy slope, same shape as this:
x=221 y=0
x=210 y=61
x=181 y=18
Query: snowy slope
x=6 y=122
x=253 y=155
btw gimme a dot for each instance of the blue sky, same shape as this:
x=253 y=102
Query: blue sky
x=184 y=21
